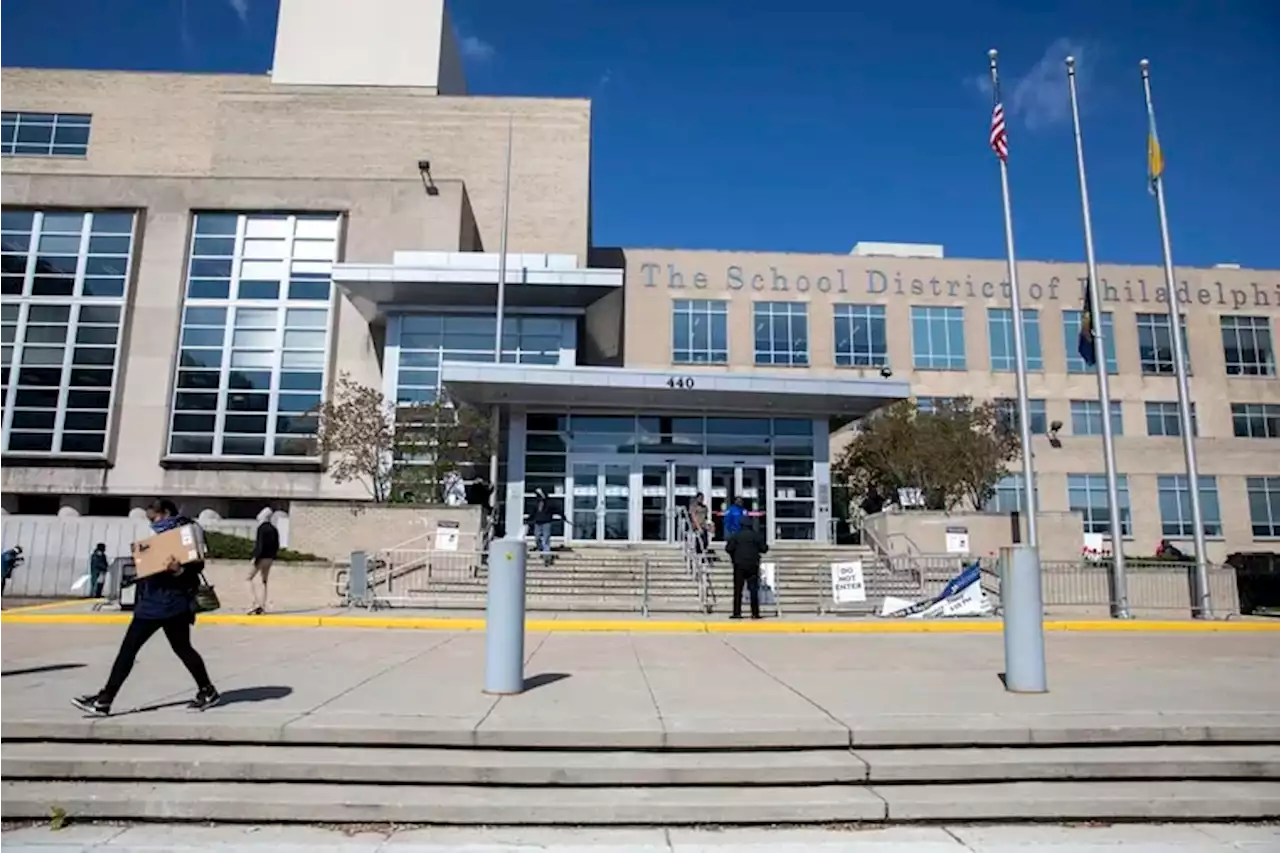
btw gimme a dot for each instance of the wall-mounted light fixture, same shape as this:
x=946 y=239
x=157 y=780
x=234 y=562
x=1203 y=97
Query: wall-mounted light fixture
x=424 y=169
x=1054 y=429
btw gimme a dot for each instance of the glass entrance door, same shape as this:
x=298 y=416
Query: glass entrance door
x=666 y=488
x=731 y=481
x=601 y=501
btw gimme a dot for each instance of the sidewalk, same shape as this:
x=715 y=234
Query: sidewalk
x=649 y=690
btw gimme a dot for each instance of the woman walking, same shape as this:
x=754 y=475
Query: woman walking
x=166 y=602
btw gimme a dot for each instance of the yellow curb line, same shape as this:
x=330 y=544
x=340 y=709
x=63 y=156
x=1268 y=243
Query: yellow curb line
x=640 y=626
x=32 y=608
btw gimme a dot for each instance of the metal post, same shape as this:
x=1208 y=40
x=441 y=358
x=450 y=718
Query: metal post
x=500 y=313
x=644 y=589
x=1119 y=577
x=504 y=618
x=1202 y=607
x=358 y=579
x=1019 y=340
x=1023 y=608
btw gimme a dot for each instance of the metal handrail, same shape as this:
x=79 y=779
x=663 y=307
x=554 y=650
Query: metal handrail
x=696 y=560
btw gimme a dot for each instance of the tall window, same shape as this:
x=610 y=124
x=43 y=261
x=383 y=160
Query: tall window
x=1255 y=420
x=1264 y=506
x=861 y=340
x=1087 y=495
x=44 y=134
x=427 y=340
x=65 y=274
x=1246 y=346
x=1175 y=506
x=1071 y=338
x=1155 y=344
x=1086 y=417
x=1009 y=495
x=937 y=337
x=1007 y=411
x=699 y=331
x=1163 y=419
x=1000 y=332
x=782 y=333
x=255 y=328
x=932 y=405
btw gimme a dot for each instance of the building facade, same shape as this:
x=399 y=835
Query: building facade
x=190 y=262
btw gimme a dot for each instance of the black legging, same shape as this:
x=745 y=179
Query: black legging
x=176 y=630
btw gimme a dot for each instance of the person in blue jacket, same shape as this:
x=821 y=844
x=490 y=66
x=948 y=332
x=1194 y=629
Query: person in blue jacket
x=733 y=518
x=166 y=602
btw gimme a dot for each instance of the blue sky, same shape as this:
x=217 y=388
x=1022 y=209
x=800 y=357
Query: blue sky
x=812 y=124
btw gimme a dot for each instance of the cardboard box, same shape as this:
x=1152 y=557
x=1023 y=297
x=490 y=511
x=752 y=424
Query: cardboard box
x=184 y=544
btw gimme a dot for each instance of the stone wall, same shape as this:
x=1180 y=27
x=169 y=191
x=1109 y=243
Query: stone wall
x=925 y=532
x=333 y=530
x=292 y=586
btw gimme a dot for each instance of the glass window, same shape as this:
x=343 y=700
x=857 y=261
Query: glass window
x=1087 y=495
x=1246 y=346
x=1264 y=506
x=937 y=338
x=65 y=277
x=1155 y=344
x=1163 y=419
x=700 y=331
x=782 y=333
x=44 y=134
x=1086 y=417
x=1255 y=420
x=1000 y=332
x=861 y=340
x=1007 y=411
x=1175 y=506
x=1009 y=495
x=252 y=351
x=1071 y=339
x=931 y=405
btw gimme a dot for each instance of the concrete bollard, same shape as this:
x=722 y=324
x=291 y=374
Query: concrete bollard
x=504 y=618
x=1023 y=606
x=358 y=580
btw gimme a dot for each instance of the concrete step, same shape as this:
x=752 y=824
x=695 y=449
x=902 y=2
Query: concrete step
x=499 y=806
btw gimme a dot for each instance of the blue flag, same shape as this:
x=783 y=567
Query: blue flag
x=1087 y=344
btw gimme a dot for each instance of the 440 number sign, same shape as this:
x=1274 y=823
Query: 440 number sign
x=681 y=383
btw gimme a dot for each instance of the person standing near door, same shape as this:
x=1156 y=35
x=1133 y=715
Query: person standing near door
x=733 y=517
x=542 y=517
x=745 y=549
x=699 y=516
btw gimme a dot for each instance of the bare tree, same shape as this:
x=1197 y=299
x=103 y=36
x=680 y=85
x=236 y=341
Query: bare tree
x=356 y=430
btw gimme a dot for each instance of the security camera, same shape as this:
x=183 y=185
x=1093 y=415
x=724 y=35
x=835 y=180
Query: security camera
x=886 y=371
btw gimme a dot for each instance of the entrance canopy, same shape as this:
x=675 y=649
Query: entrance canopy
x=470 y=279
x=633 y=390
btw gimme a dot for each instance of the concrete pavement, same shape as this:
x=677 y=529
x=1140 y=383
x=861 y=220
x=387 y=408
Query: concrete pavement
x=1182 y=838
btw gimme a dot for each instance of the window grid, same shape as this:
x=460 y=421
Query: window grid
x=1155 y=344
x=1163 y=419
x=65 y=274
x=937 y=338
x=255 y=335
x=1264 y=506
x=1009 y=494
x=426 y=340
x=1000 y=334
x=1087 y=495
x=1246 y=346
x=1175 y=505
x=1071 y=339
x=782 y=333
x=700 y=331
x=1255 y=420
x=931 y=405
x=1007 y=412
x=44 y=134
x=860 y=336
x=1086 y=417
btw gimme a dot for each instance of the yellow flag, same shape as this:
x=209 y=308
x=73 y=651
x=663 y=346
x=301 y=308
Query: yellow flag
x=1155 y=158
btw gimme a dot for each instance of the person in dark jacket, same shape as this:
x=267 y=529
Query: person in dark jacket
x=542 y=517
x=266 y=546
x=745 y=549
x=98 y=567
x=10 y=560
x=166 y=602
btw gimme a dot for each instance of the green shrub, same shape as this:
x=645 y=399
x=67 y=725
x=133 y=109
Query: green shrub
x=225 y=546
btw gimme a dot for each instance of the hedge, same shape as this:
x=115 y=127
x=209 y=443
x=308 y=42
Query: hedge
x=225 y=546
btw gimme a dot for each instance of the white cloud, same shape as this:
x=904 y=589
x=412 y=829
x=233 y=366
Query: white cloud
x=473 y=47
x=1040 y=98
x=241 y=8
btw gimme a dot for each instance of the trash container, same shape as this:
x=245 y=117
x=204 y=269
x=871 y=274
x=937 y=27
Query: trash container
x=1257 y=580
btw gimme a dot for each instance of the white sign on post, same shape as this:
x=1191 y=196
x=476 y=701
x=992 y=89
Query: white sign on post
x=847 y=584
x=447 y=535
x=768 y=592
x=957 y=540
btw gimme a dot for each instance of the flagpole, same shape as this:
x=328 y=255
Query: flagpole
x=1119 y=578
x=1019 y=340
x=495 y=414
x=1203 y=607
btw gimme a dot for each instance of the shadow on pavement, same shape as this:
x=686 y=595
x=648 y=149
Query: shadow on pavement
x=32 y=670
x=542 y=679
x=237 y=696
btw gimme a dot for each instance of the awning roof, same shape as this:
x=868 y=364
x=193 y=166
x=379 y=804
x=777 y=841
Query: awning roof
x=634 y=390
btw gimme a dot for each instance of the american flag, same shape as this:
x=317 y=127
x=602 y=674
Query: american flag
x=999 y=138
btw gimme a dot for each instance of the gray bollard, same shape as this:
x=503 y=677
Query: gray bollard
x=1023 y=605
x=504 y=618
x=358 y=580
